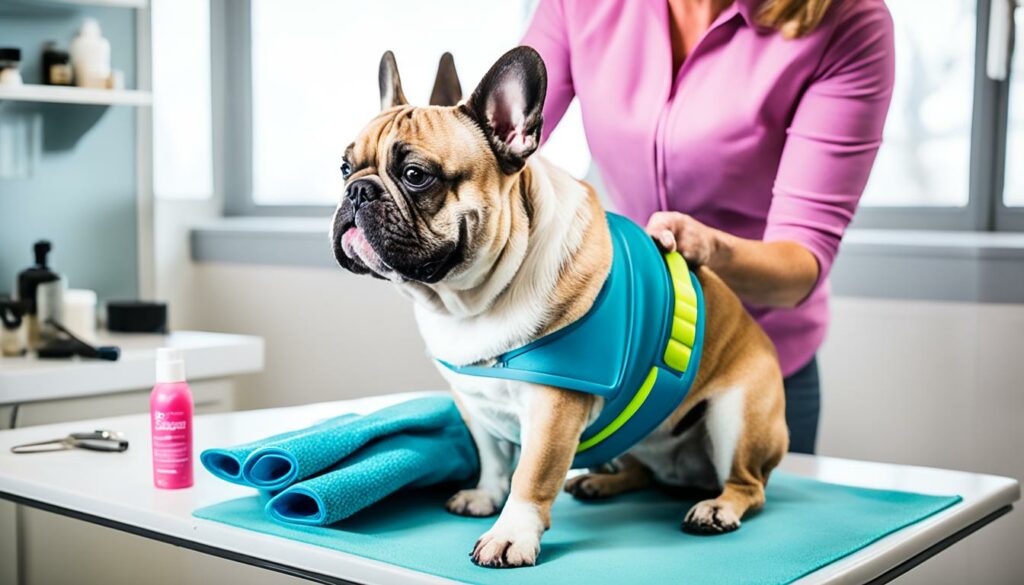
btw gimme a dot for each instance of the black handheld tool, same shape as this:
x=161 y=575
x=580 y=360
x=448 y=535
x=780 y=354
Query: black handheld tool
x=72 y=346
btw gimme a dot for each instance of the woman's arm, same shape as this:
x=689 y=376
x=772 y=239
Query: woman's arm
x=776 y=274
x=830 y=147
x=549 y=35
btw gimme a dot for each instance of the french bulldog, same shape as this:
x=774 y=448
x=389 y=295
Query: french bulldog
x=498 y=248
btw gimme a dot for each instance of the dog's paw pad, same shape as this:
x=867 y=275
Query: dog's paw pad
x=476 y=502
x=710 y=517
x=587 y=486
x=500 y=552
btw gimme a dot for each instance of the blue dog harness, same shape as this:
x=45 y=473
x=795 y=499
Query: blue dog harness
x=638 y=347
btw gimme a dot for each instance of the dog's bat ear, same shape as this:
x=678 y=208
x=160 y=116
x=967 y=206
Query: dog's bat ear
x=390 y=83
x=447 y=89
x=509 y=106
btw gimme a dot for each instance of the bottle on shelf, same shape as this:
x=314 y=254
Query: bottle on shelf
x=41 y=292
x=56 y=65
x=10 y=59
x=90 y=56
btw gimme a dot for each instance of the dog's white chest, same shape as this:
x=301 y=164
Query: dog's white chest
x=498 y=406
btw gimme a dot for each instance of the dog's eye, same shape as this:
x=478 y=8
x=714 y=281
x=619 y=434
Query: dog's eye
x=416 y=178
x=346 y=170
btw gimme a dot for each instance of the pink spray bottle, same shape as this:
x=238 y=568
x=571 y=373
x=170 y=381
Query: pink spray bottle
x=170 y=417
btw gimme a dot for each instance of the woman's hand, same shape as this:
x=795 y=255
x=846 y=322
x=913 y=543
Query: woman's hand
x=774 y=274
x=673 y=231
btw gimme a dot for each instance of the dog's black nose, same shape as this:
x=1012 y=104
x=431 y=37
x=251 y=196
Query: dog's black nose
x=362 y=192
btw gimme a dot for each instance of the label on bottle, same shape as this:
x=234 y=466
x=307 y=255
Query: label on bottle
x=172 y=449
x=60 y=74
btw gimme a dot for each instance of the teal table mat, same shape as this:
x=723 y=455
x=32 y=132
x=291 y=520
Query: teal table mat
x=634 y=538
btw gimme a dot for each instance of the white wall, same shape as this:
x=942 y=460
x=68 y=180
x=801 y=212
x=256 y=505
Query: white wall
x=329 y=334
x=173 y=267
x=934 y=384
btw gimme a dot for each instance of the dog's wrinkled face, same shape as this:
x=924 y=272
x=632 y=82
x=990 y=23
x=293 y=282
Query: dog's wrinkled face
x=426 y=186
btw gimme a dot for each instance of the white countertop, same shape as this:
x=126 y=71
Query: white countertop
x=118 y=487
x=207 y=355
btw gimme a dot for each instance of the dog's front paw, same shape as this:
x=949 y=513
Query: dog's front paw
x=477 y=502
x=504 y=551
x=710 y=517
x=513 y=541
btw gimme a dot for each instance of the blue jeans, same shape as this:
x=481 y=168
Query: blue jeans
x=803 y=405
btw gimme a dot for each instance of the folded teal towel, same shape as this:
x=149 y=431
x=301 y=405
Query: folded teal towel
x=337 y=467
x=276 y=466
x=375 y=471
x=226 y=463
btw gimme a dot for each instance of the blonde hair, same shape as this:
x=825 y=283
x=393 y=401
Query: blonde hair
x=793 y=18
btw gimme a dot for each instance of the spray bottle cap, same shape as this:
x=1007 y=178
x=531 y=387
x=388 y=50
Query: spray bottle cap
x=41 y=249
x=90 y=28
x=170 y=365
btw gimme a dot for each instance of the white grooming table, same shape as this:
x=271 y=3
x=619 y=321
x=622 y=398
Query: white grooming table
x=115 y=490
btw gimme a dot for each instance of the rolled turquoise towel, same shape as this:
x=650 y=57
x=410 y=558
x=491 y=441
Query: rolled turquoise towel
x=376 y=471
x=226 y=463
x=276 y=466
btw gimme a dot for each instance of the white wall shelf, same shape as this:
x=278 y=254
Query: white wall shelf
x=110 y=3
x=75 y=95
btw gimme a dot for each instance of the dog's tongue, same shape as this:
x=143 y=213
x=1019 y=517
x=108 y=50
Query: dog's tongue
x=354 y=243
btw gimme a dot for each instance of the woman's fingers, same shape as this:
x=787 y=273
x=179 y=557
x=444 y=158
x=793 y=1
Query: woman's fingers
x=661 y=228
x=666 y=240
x=674 y=231
x=662 y=220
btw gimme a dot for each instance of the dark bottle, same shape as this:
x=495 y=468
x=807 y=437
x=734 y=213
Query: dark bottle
x=28 y=284
x=56 y=65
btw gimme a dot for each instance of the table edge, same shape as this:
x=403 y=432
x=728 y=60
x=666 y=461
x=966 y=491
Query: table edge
x=866 y=571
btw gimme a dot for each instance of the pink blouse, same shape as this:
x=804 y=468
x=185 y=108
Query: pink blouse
x=763 y=137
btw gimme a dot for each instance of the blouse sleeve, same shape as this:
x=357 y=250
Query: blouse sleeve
x=548 y=35
x=834 y=136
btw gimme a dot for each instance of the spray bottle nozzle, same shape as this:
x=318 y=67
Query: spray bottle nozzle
x=41 y=249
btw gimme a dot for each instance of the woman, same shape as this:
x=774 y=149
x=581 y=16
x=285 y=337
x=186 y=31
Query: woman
x=742 y=132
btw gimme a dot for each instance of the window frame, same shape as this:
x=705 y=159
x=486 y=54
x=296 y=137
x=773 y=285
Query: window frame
x=235 y=96
x=985 y=209
x=1006 y=217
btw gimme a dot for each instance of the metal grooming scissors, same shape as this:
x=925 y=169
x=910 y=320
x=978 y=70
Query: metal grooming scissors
x=100 y=440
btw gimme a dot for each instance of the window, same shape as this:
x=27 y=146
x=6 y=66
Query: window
x=1013 y=193
x=949 y=159
x=314 y=77
x=942 y=163
x=925 y=154
x=182 y=152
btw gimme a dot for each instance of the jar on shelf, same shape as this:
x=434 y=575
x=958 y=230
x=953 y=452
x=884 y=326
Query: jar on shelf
x=10 y=60
x=56 y=65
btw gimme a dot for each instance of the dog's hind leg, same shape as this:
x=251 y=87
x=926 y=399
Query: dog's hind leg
x=630 y=476
x=495 y=476
x=723 y=513
x=746 y=444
